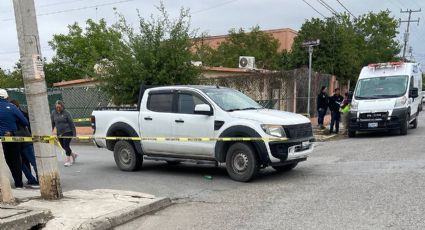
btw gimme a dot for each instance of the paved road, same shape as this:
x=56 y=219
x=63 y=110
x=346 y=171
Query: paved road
x=375 y=181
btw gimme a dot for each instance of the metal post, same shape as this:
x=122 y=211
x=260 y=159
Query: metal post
x=6 y=195
x=36 y=94
x=310 y=60
x=406 y=34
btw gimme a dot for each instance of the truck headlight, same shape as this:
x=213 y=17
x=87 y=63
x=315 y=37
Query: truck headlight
x=354 y=105
x=274 y=130
x=400 y=102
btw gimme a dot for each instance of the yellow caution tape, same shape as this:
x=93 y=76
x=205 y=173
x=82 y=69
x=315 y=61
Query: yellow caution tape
x=54 y=139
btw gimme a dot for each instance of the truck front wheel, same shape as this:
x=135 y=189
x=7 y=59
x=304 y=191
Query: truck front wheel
x=241 y=162
x=404 y=125
x=126 y=157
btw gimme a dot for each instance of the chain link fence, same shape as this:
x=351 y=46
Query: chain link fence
x=79 y=101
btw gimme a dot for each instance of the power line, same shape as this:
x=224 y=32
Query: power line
x=328 y=7
x=51 y=4
x=213 y=7
x=75 y=9
x=313 y=8
x=58 y=3
x=347 y=9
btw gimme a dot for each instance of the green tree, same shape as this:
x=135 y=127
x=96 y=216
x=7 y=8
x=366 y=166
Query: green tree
x=80 y=50
x=379 y=33
x=256 y=43
x=11 y=79
x=347 y=45
x=158 y=53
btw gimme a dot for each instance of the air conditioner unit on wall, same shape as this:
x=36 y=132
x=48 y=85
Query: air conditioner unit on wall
x=247 y=62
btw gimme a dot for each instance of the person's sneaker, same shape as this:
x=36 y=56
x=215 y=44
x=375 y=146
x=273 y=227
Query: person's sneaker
x=33 y=185
x=67 y=164
x=74 y=156
x=19 y=188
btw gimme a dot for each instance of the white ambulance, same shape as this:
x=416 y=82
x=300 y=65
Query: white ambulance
x=386 y=98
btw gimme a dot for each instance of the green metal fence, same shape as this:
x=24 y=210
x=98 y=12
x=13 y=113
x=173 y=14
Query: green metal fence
x=80 y=102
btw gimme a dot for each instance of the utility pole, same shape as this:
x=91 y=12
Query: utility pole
x=6 y=195
x=36 y=94
x=310 y=45
x=406 y=34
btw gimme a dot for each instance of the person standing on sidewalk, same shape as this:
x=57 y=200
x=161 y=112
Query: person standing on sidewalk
x=27 y=152
x=9 y=116
x=322 y=106
x=334 y=105
x=65 y=127
x=345 y=111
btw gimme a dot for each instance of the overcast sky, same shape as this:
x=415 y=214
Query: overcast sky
x=215 y=17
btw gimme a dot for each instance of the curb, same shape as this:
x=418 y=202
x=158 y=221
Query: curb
x=323 y=138
x=27 y=219
x=122 y=216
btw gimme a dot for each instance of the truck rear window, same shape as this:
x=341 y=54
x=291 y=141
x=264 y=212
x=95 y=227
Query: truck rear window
x=161 y=102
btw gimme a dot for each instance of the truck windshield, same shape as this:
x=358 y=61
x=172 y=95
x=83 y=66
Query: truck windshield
x=381 y=87
x=231 y=100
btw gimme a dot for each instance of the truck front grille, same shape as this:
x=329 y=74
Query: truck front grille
x=299 y=131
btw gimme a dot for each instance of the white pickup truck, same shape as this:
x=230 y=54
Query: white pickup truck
x=204 y=111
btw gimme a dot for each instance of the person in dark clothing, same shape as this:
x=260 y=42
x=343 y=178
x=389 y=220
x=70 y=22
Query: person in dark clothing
x=322 y=106
x=335 y=103
x=62 y=120
x=9 y=116
x=27 y=152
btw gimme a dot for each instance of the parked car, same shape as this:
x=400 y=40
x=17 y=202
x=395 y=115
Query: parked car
x=204 y=111
x=386 y=98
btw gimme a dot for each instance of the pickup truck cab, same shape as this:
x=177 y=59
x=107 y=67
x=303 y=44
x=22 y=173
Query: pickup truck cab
x=204 y=112
x=386 y=98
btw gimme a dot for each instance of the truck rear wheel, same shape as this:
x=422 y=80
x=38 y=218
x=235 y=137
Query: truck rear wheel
x=126 y=157
x=241 y=162
x=285 y=168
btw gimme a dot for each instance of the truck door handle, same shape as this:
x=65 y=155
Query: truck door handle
x=179 y=121
x=148 y=118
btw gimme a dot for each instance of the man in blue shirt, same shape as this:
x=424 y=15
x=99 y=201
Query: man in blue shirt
x=9 y=116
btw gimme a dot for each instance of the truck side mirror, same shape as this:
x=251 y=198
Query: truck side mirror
x=414 y=93
x=203 y=109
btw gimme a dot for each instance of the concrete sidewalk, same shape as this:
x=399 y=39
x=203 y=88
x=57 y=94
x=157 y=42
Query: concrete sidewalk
x=79 y=209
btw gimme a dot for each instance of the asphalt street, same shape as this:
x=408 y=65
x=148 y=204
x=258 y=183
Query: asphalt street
x=374 y=181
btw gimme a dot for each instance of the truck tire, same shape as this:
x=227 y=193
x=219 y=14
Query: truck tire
x=285 y=168
x=241 y=162
x=126 y=157
x=405 y=125
x=415 y=123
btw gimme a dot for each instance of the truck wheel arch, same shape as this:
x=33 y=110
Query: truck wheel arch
x=221 y=147
x=121 y=129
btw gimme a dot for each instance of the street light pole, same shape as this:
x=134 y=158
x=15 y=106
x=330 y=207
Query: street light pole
x=36 y=94
x=310 y=61
x=310 y=45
